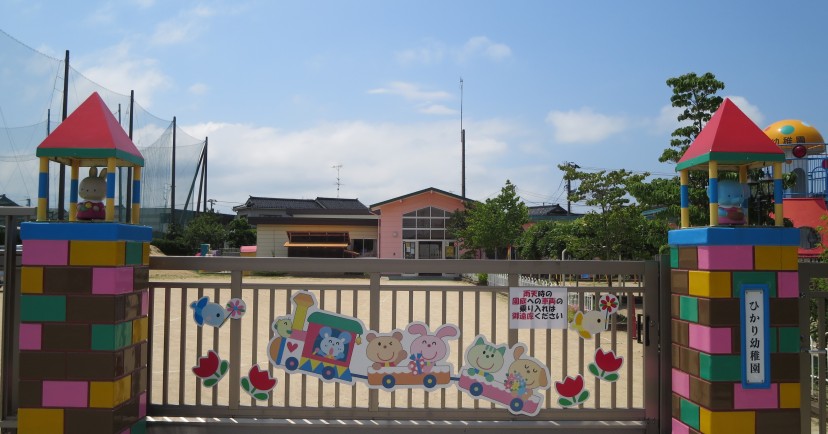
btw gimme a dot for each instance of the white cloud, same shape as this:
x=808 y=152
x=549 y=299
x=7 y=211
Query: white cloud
x=143 y=4
x=411 y=92
x=667 y=119
x=198 y=89
x=187 y=26
x=379 y=160
x=433 y=52
x=430 y=53
x=438 y=109
x=750 y=110
x=483 y=46
x=584 y=126
x=118 y=68
x=105 y=14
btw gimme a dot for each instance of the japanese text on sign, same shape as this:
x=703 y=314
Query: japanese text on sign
x=537 y=308
x=753 y=333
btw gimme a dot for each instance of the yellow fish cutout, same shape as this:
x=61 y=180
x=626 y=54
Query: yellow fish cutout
x=588 y=324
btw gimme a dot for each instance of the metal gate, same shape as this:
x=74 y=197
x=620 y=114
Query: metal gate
x=813 y=290
x=177 y=401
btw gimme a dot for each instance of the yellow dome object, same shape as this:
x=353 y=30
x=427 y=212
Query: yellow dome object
x=789 y=133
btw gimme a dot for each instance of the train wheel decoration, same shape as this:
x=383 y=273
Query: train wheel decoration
x=338 y=348
x=315 y=342
x=505 y=377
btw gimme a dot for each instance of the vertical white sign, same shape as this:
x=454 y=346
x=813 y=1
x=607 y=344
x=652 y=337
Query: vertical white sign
x=537 y=308
x=754 y=335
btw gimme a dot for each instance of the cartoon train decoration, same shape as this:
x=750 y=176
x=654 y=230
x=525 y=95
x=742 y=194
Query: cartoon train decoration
x=338 y=348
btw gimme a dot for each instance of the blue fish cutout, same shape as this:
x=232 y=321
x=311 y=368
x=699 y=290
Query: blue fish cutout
x=205 y=312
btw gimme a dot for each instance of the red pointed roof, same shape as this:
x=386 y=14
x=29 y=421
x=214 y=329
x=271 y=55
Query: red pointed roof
x=730 y=138
x=91 y=134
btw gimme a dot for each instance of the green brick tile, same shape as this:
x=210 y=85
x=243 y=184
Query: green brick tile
x=690 y=414
x=109 y=337
x=765 y=277
x=689 y=309
x=139 y=428
x=774 y=340
x=674 y=262
x=720 y=367
x=788 y=339
x=134 y=253
x=43 y=308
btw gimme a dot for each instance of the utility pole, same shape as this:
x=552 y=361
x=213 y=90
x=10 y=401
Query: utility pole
x=569 y=187
x=338 y=183
x=212 y=202
x=462 y=145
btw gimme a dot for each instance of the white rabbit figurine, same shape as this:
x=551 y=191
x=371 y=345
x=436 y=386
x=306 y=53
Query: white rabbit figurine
x=93 y=190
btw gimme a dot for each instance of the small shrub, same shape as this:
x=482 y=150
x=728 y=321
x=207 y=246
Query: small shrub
x=482 y=279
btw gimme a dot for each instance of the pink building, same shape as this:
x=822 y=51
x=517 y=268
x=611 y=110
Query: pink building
x=413 y=226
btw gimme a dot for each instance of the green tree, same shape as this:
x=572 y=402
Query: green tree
x=495 y=224
x=602 y=189
x=697 y=96
x=205 y=228
x=619 y=229
x=547 y=240
x=240 y=233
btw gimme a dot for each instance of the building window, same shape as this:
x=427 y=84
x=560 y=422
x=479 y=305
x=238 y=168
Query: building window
x=425 y=224
x=365 y=247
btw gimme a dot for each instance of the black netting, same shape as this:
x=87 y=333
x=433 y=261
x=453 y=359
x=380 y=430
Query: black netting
x=32 y=87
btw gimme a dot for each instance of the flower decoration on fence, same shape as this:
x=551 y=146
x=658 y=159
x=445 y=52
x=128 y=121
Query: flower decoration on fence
x=572 y=391
x=606 y=365
x=609 y=305
x=210 y=369
x=236 y=308
x=258 y=383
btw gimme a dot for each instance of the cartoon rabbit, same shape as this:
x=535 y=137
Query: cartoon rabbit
x=93 y=190
x=428 y=349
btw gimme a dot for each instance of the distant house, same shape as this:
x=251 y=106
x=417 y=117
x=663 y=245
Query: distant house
x=5 y=201
x=550 y=212
x=320 y=228
x=413 y=226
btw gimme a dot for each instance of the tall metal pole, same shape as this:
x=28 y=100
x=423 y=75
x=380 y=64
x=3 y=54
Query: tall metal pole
x=200 y=171
x=62 y=172
x=172 y=191
x=129 y=172
x=462 y=144
x=204 y=172
x=120 y=178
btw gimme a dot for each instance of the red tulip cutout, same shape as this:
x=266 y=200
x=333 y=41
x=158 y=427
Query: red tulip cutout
x=258 y=383
x=606 y=365
x=210 y=369
x=572 y=391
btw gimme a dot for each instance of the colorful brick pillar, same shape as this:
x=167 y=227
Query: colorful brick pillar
x=735 y=330
x=84 y=328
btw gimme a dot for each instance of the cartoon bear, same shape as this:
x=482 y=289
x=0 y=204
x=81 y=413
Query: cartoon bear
x=384 y=349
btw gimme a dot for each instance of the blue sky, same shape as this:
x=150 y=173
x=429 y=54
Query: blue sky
x=285 y=90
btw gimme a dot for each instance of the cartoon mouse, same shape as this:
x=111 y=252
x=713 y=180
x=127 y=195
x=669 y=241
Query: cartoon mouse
x=384 y=349
x=93 y=190
x=428 y=349
x=332 y=347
